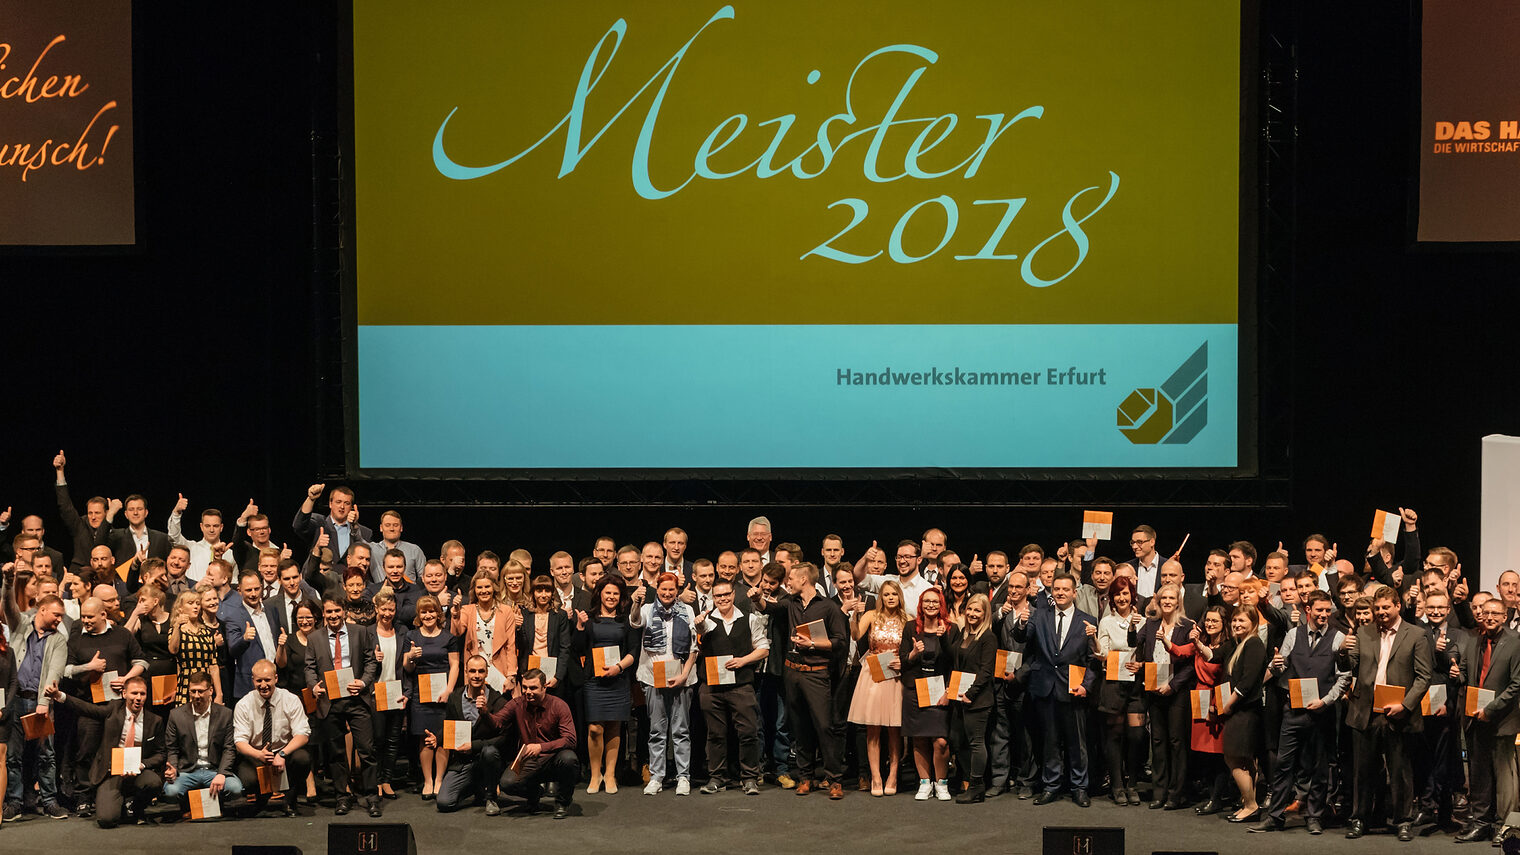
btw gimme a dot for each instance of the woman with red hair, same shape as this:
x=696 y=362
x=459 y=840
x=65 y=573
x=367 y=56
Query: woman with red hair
x=927 y=651
x=666 y=670
x=1121 y=700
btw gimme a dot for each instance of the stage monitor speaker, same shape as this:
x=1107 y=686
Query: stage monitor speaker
x=1067 y=840
x=265 y=849
x=387 y=838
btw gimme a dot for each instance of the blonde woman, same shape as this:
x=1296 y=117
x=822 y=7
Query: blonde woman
x=878 y=706
x=514 y=585
x=194 y=645
x=975 y=654
x=489 y=628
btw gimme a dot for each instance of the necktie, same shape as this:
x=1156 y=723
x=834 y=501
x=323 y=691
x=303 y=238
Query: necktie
x=1488 y=652
x=337 y=650
x=1313 y=639
x=1060 y=627
x=268 y=733
x=131 y=734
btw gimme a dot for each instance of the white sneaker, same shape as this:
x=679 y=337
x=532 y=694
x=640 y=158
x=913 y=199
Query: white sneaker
x=924 y=788
x=683 y=786
x=653 y=787
x=942 y=790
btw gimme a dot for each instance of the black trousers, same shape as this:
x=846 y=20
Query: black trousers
x=351 y=715
x=297 y=767
x=731 y=706
x=968 y=736
x=1171 y=719
x=111 y=795
x=852 y=738
x=389 y=728
x=810 y=709
x=1024 y=761
x=563 y=769
x=1063 y=723
x=477 y=776
x=999 y=753
x=85 y=743
x=1303 y=761
x=1438 y=764
x=1379 y=744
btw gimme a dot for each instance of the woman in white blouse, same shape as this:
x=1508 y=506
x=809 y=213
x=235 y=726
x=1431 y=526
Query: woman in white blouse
x=669 y=651
x=1120 y=698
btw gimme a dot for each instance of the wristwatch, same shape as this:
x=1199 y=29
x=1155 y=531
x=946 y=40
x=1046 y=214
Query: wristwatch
x=280 y=753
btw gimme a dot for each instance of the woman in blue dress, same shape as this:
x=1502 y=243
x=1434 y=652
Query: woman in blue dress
x=608 y=644
x=430 y=649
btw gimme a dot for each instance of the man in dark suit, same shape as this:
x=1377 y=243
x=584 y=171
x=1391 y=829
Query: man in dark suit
x=93 y=530
x=675 y=551
x=127 y=543
x=1057 y=639
x=292 y=592
x=1195 y=596
x=340 y=645
x=253 y=632
x=1012 y=759
x=1438 y=765
x=195 y=764
x=476 y=769
x=1387 y=652
x=126 y=723
x=1491 y=661
x=340 y=523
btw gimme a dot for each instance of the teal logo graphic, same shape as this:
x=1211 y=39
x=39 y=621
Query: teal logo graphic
x=1174 y=413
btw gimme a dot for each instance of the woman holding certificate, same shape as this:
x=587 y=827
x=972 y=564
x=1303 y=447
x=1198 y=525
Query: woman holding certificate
x=1121 y=695
x=1241 y=708
x=604 y=638
x=432 y=657
x=545 y=634
x=1212 y=646
x=976 y=656
x=667 y=660
x=1163 y=641
x=927 y=656
x=389 y=724
x=878 y=703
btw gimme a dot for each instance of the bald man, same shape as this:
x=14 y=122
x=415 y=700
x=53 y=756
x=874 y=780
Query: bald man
x=99 y=653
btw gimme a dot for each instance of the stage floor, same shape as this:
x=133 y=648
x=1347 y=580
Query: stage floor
x=776 y=821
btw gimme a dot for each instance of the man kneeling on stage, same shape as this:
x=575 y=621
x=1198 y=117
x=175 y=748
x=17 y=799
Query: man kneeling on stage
x=547 y=735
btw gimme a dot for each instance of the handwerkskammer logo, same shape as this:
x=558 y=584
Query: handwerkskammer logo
x=1174 y=413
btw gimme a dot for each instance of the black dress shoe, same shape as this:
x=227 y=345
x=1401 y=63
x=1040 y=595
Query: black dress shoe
x=1501 y=835
x=1081 y=799
x=1406 y=832
x=1473 y=832
x=1313 y=826
x=1355 y=829
x=1268 y=824
x=1158 y=804
x=1209 y=807
x=343 y=805
x=1171 y=805
x=1046 y=798
x=374 y=807
x=1424 y=817
x=561 y=811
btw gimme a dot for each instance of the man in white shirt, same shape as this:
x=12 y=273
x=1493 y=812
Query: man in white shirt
x=198 y=739
x=913 y=582
x=208 y=547
x=1147 y=560
x=675 y=550
x=270 y=729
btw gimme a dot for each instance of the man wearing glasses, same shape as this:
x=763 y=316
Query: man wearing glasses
x=1147 y=560
x=743 y=640
x=1492 y=662
x=251 y=538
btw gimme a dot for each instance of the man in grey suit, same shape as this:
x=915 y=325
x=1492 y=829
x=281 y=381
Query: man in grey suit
x=198 y=739
x=1386 y=652
x=1491 y=661
x=340 y=645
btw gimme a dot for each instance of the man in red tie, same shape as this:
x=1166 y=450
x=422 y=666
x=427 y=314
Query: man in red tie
x=1492 y=663
x=126 y=724
x=347 y=651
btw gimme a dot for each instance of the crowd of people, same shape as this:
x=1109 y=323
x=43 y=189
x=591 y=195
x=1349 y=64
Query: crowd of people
x=234 y=674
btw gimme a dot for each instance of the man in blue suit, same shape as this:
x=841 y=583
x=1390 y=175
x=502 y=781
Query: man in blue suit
x=252 y=631
x=1056 y=639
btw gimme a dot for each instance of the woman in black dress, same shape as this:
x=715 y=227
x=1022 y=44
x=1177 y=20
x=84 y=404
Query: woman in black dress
x=290 y=665
x=1241 y=710
x=928 y=650
x=975 y=654
x=150 y=622
x=607 y=700
x=430 y=649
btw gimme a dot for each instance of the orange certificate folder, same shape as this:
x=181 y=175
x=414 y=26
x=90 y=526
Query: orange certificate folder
x=1115 y=669
x=1098 y=525
x=662 y=671
x=337 y=682
x=37 y=725
x=603 y=658
x=203 y=805
x=101 y=691
x=1221 y=693
x=879 y=665
x=1074 y=677
x=929 y=690
x=547 y=664
x=164 y=688
x=456 y=735
x=813 y=631
x=272 y=780
x=1384 y=694
x=309 y=700
x=1435 y=698
x=1202 y=700
x=1385 y=526
x=126 y=761
x=717 y=671
x=388 y=695
x=1477 y=699
x=431 y=687
x=1302 y=691
x=1008 y=664
x=1157 y=674
x=959 y=683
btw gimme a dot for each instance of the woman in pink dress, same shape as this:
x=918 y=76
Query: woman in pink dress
x=878 y=705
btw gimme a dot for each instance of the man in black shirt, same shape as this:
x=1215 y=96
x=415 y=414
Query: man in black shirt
x=807 y=677
x=729 y=632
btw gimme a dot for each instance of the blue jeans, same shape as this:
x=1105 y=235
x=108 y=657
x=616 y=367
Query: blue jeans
x=669 y=710
x=45 y=764
x=200 y=779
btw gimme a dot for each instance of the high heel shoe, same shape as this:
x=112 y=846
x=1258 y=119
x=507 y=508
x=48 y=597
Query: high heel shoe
x=596 y=785
x=889 y=788
x=1253 y=816
x=609 y=783
x=876 y=790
